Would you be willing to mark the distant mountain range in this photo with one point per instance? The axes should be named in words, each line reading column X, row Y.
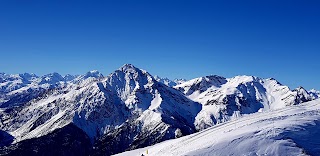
column 92, row 114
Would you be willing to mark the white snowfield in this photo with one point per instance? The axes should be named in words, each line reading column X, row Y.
column 293, row 130
column 132, row 100
column 225, row 98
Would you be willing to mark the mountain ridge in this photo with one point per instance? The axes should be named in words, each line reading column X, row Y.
column 131, row 105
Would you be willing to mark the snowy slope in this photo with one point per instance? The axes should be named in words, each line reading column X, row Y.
column 293, row 130
column 224, row 99
column 169, row 82
column 129, row 108
column 21, row 88
column 127, row 100
column 93, row 74
column 10, row 82
column 315, row 93
column 17, row 89
column 33, row 108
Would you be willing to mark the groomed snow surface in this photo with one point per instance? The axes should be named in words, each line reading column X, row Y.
column 293, row 130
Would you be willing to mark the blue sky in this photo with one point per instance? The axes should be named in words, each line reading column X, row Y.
column 174, row 39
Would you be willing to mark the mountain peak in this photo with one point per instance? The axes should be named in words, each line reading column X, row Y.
column 211, row 77
column 93, row 73
column 51, row 78
column 314, row 91
column 52, row 75
column 69, row 77
column 28, row 76
column 128, row 67
column 165, row 81
column 299, row 88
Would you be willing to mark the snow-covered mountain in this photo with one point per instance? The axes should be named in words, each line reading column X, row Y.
column 293, row 130
column 69, row 77
column 91, row 74
column 127, row 109
column 315, row 94
column 169, row 82
column 11, row 82
column 128, row 101
column 226, row 98
column 18, row 86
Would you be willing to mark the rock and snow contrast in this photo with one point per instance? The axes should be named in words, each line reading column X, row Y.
column 294, row 130
column 92, row 114
column 314, row 93
column 169, row 82
column 225, row 98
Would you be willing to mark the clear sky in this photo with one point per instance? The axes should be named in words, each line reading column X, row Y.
column 174, row 39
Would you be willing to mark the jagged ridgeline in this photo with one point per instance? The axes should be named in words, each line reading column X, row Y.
column 92, row 114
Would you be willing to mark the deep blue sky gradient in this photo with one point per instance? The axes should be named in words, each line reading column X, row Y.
column 174, row 39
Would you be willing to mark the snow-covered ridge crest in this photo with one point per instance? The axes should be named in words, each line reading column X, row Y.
column 293, row 130
column 315, row 93
column 99, row 106
column 131, row 102
column 169, row 82
column 201, row 84
column 226, row 98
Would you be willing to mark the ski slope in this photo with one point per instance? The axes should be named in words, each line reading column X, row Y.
column 293, row 130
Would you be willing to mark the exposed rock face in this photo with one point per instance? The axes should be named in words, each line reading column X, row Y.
column 67, row 141
column 128, row 109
